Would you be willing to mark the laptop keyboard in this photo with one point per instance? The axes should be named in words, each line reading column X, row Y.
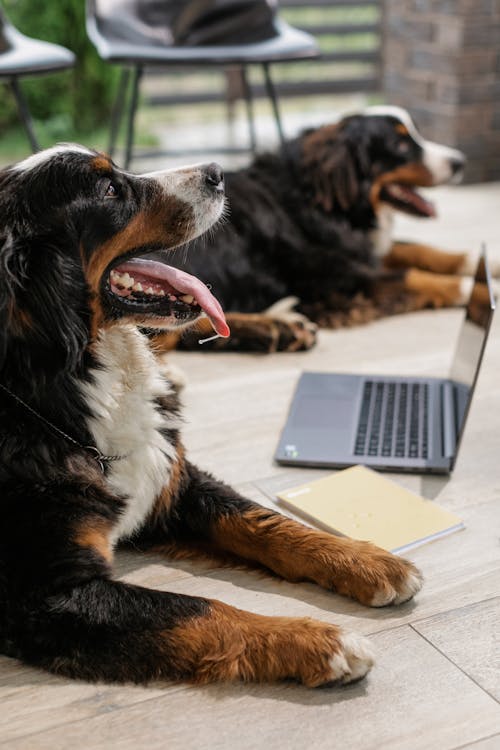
column 393, row 420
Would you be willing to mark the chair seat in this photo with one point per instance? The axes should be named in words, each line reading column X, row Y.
column 21, row 55
column 288, row 44
column 141, row 35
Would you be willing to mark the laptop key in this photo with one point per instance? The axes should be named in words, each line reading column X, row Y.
column 393, row 420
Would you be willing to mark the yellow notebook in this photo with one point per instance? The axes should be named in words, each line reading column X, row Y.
column 360, row 503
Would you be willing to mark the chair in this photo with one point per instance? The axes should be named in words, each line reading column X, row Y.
column 123, row 32
column 21, row 56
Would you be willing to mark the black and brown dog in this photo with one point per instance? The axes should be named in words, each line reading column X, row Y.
column 312, row 225
column 91, row 455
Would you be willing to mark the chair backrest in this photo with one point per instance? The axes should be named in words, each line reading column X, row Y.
column 131, row 21
column 4, row 40
column 184, row 22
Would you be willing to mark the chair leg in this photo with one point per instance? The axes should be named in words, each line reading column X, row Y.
column 136, row 79
column 233, row 90
column 249, row 106
column 24, row 114
column 117, row 111
column 271, row 92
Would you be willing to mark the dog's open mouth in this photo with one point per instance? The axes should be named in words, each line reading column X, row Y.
column 405, row 198
column 154, row 289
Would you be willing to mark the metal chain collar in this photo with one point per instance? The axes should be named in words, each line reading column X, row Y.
column 95, row 453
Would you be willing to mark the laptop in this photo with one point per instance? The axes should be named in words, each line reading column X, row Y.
column 401, row 424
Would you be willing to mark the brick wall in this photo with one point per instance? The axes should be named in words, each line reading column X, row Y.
column 441, row 61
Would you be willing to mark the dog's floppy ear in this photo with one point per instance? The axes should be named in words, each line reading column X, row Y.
column 330, row 166
column 12, row 277
column 40, row 311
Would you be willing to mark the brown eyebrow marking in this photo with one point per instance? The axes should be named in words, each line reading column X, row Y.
column 101, row 163
column 401, row 129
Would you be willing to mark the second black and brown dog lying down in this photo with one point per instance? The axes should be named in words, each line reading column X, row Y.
column 313, row 225
column 91, row 454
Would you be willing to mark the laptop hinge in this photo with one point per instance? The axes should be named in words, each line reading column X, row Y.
column 449, row 422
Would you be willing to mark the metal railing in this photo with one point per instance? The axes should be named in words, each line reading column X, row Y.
column 349, row 36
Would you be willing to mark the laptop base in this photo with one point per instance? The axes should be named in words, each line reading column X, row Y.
column 323, row 426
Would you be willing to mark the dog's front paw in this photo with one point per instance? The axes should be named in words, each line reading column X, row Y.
column 399, row 588
column 378, row 578
column 258, row 648
column 295, row 335
column 353, row 660
column 294, row 331
column 324, row 654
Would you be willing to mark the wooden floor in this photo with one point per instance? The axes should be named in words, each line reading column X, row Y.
column 436, row 683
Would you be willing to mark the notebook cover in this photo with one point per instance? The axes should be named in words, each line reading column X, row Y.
column 362, row 504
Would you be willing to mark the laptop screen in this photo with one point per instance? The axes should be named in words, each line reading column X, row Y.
column 473, row 334
column 475, row 326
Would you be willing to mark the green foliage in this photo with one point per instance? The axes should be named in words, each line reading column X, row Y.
column 70, row 103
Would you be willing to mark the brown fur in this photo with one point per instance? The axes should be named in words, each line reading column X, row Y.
column 145, row 228
column 322, row 160
column 433, row 289
column 414, row 254
column 261, row 332
column 82, row 621
column 230, row 644
column 310, row 223
column 102, row 163
column 409, row 174
column 93, row 534
column 172, row 489
column 298, row 553
column 20, row 319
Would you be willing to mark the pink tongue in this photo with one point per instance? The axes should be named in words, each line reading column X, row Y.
column 182, row 282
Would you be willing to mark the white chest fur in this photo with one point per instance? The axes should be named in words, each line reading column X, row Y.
column 381, row 237
column 126, row 422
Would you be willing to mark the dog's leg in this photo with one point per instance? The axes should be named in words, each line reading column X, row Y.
column 412, row 289
column 79, row 622
column 440, row 290
column 66, row 613
column 108, row 630
column 427, row 258
column 266, row 332
column 213, row 518
column 402, row 291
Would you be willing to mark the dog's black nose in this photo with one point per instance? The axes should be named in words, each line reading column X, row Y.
column 457, row 163
column 214, row 177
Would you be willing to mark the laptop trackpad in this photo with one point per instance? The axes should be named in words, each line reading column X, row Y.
column 324, row 412
column 323, row 417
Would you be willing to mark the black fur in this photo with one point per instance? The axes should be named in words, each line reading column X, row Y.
column 60, row 608
column 300, row 221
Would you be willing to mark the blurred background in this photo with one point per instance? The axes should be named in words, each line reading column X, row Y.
column 438, row 58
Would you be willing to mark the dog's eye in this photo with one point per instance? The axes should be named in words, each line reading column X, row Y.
column 111, row 191
column 403, row 147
